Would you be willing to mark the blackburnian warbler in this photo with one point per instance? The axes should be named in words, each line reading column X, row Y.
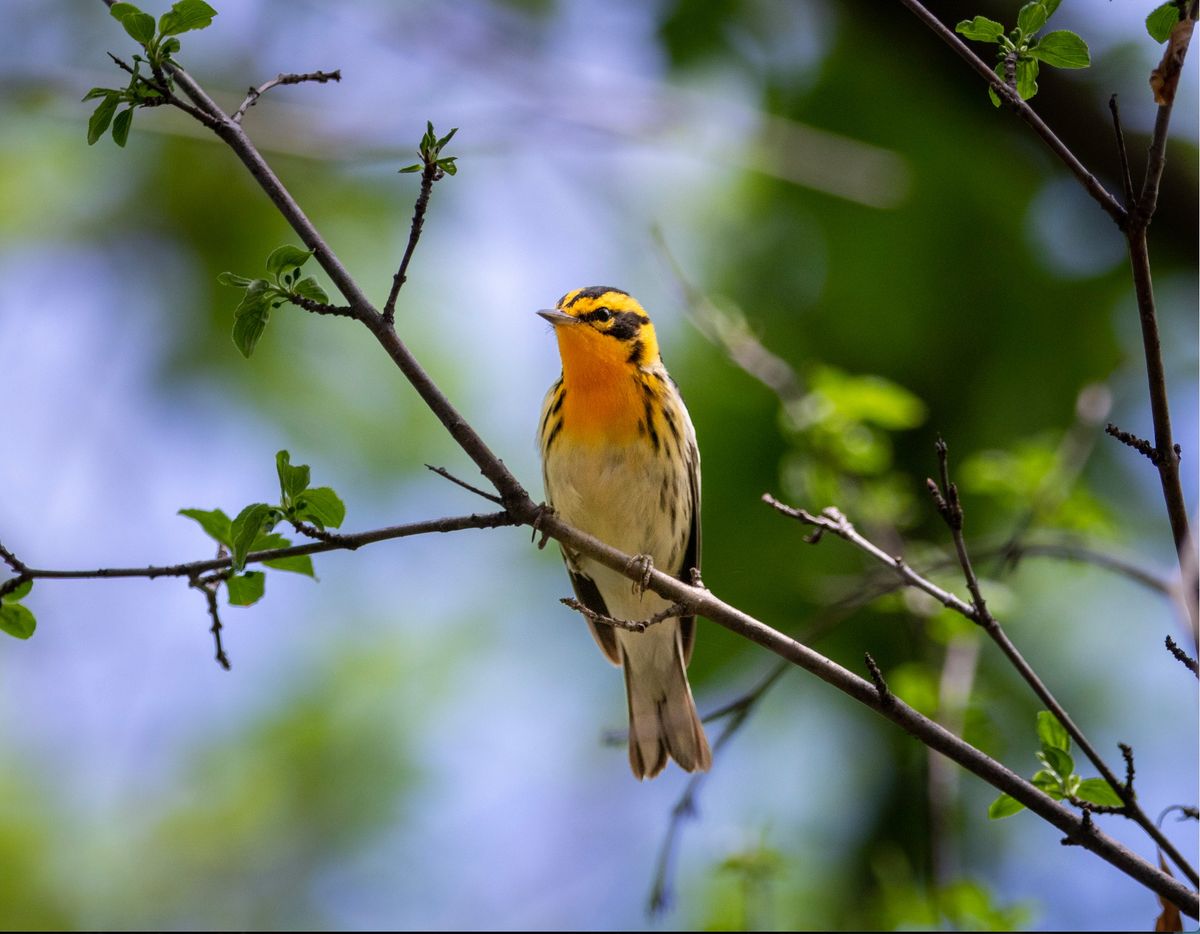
column 619, row 460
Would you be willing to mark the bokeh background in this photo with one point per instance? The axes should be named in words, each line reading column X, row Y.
column 416, row 740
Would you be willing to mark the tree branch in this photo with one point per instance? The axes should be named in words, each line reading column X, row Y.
column 429, row 174
column 1099, row 193
column 192, row 569
column 254, row 94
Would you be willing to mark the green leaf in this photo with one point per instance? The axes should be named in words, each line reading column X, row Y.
column 285, row 257
column 292, row 480
column 139, row 25
column 447, row 165
column 246, row 589
column 1098, row 791
column 308, row 288
column 297, row 564
column 871, row 399
column 1051, row 6
column 184, row 16
column 1062, row 49
column 1027, row 72
column 102, row 117
column 250, row 523
column 1031, row 18
column 17, row 620
column 1052, row 734
column 229, row 278
column 1161, row 21
column 1004, row 806
column 214, row 522
column 981, row 29
column 170, row 46
column 119, row 11
column 121, row 126
column 247, row 330
column 1048, row 782
column 1061, row 762
column 415, row 167
column 445, row 139
column 98, row 92
column 252, row 314
column 320, row 506
column 19, row 594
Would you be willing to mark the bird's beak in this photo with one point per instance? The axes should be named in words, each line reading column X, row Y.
column 556, row 317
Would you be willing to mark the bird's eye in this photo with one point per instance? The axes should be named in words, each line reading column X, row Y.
column 601, row 314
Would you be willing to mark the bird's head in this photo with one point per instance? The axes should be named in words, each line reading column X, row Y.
column 602, row 326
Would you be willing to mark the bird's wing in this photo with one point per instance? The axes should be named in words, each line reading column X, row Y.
column 588, row 594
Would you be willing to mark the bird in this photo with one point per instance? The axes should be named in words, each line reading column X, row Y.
column 620, row 462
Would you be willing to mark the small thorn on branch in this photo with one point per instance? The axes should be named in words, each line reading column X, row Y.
column 1085, row 830
column 886, row 697
column 1141, row 445
column 1186, row 660
column 1127, row 754
column 945, row 498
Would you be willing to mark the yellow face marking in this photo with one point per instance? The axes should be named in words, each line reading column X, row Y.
column 603, row 352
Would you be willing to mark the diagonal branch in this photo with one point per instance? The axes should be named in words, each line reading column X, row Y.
column 1099, row 193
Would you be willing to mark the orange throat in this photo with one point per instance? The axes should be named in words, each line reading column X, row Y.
column 604, row 401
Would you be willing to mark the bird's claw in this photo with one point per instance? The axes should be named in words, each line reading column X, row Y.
column 644, row 564
column 545, row 509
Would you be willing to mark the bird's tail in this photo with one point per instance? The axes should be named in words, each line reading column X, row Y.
column 662, row 715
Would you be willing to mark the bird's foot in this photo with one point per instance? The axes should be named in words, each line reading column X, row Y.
column 544, row 510
column 644, row 565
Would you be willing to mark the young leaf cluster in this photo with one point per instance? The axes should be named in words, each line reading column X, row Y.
column 262, row 296
column 253, row 529
column 430, row 151
column 1057, row 776
column 15, row 619
column 1022, row 51
column 160, row 42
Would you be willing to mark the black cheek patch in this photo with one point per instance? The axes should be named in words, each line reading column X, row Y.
column 626, row 325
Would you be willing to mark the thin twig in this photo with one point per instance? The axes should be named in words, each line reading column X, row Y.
column 1122, row 152
column 254, row 94
column 1141, row 445
column 429, row 174
column 632, row 625
column 210, row 595
column 321, row 308
column 443, row 472
column 1183, row 657
column 344, row 542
